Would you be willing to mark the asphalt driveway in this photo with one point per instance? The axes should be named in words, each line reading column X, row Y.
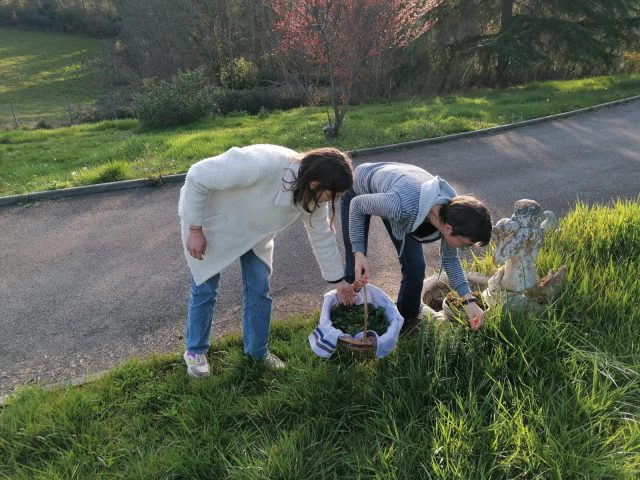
column 89, row 281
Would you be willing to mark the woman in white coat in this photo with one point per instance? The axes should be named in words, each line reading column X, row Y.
column 231, row 207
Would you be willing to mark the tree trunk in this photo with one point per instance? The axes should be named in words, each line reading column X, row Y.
column 446, row 72
column 340, row 112
column 334, row 103
column 503, row 57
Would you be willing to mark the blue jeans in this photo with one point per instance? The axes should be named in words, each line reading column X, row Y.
column 256, row 311
column 412, row 262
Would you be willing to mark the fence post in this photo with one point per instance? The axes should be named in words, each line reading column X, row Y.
column 15, row 117
column 70, row 113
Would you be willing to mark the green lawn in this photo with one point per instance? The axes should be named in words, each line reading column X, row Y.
column 41, row 73
column 529, row 398
column 32, row 160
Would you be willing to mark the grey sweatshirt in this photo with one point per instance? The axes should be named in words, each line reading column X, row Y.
column 403, row 195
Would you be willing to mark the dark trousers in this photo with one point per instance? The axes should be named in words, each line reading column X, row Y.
column 410, row 256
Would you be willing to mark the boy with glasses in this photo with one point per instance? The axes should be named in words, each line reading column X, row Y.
column 415, row 207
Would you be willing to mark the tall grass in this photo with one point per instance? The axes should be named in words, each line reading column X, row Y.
column 525, row 398
column 604, row 261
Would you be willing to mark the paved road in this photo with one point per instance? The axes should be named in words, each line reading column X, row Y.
column 88, row 281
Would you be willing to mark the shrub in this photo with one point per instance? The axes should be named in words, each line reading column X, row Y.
column 108, row 107
column 269, row 71
column 257, row 99
column 96, row 19
column 184, row 98
column 630, row 62
column 43, row 124
column 113, row 171
column 239, row 74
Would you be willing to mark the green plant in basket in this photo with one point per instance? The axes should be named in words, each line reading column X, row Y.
column 350, row 318
column 453, row 308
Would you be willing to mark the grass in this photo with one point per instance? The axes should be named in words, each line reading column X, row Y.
column 41, row 73
column 524, row 398
column 33, row 160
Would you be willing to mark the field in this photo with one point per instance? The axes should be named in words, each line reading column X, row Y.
column 33, row 160
column 45, row 74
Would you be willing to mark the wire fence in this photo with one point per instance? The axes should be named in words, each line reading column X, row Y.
column 43, row 115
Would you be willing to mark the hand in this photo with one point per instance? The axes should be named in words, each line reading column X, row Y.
column 362, row 269
column 346, row 293
column 475, row 315
column 196, row 244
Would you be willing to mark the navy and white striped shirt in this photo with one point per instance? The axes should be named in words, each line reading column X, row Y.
column 403, row 195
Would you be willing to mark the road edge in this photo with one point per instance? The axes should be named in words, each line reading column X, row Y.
column 179, row 178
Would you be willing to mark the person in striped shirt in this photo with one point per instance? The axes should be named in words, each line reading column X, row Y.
column 415, row 207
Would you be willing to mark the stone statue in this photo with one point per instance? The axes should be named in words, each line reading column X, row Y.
column 516, row 285
column 518, row 240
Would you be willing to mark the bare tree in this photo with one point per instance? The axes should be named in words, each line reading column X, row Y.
column 341, row 36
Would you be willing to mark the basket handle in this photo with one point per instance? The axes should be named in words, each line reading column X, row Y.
column 366, row 310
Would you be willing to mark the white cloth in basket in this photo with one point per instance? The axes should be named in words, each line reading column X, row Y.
column 324, row 338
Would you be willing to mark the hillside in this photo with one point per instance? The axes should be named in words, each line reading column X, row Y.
column 42, row 73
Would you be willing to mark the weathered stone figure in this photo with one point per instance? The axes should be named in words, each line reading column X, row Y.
column 518, row 240
column 516, row 285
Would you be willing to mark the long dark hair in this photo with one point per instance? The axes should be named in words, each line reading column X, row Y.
column 331, row 168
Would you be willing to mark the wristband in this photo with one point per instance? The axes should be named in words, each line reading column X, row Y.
column 469, row 300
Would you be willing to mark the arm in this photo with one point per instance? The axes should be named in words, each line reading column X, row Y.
column 232, row 169
column 325, row 248
column 385, row 205
column 451, row 264
column 323, row 243
column 346, row 292
column 458, row 281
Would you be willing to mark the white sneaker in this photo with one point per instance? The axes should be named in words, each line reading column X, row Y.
column 273, row 362
column 197, row 365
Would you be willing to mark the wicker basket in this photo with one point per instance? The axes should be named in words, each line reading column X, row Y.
column 357, row 344
column 366, row 342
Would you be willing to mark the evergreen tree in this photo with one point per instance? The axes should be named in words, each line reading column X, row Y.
column 510, row 38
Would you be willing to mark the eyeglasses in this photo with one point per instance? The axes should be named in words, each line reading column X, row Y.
column 465, row 245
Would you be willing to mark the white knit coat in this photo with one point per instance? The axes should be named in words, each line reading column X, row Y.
column 241, row 201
